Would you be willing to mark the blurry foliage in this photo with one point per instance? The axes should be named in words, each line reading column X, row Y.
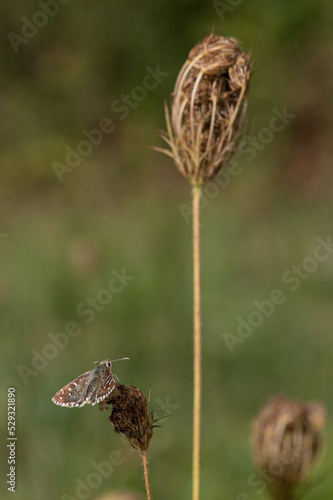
column 119, row 208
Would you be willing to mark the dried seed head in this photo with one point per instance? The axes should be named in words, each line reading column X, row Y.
column 287, row 440
column 208, row 109
column 131, row 416
column 120, row 495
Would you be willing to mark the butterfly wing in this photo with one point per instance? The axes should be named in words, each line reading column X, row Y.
column 74, row 394
column 101, row 386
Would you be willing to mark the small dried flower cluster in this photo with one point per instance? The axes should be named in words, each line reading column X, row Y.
column 287, row 440
column 120, row 495
column 131, row 416
column 208, row 109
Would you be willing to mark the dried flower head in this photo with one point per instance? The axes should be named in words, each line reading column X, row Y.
column 121, row 495
column 131, row 416
column 287, row 440
column 208, row 109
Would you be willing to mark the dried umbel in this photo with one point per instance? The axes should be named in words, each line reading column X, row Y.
column 287, row 440
column 131, row 416
column 208, row 109
column 120, row 495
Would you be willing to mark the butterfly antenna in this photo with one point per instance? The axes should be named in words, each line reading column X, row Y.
column 112, row 360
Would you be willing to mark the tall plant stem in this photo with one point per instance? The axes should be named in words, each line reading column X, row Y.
column 146, row 473
column 197, row 344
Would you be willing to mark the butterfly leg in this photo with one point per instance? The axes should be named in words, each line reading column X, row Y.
column 103, row 405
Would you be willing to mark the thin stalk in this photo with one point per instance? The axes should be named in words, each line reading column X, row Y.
column 197, row 344
column 146, row 473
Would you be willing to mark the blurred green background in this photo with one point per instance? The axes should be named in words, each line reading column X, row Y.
column 121, row 208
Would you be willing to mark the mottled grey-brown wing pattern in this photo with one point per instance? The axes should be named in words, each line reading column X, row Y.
column 91, row 387
column 73, row 394
column 101, row 388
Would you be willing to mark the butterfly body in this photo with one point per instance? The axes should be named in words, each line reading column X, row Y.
column 91, row 387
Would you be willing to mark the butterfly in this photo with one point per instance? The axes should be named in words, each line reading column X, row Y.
column 91, row 387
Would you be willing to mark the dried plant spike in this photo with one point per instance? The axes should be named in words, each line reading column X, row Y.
column 287, row 443
column 203, row 134
column 208, row 109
